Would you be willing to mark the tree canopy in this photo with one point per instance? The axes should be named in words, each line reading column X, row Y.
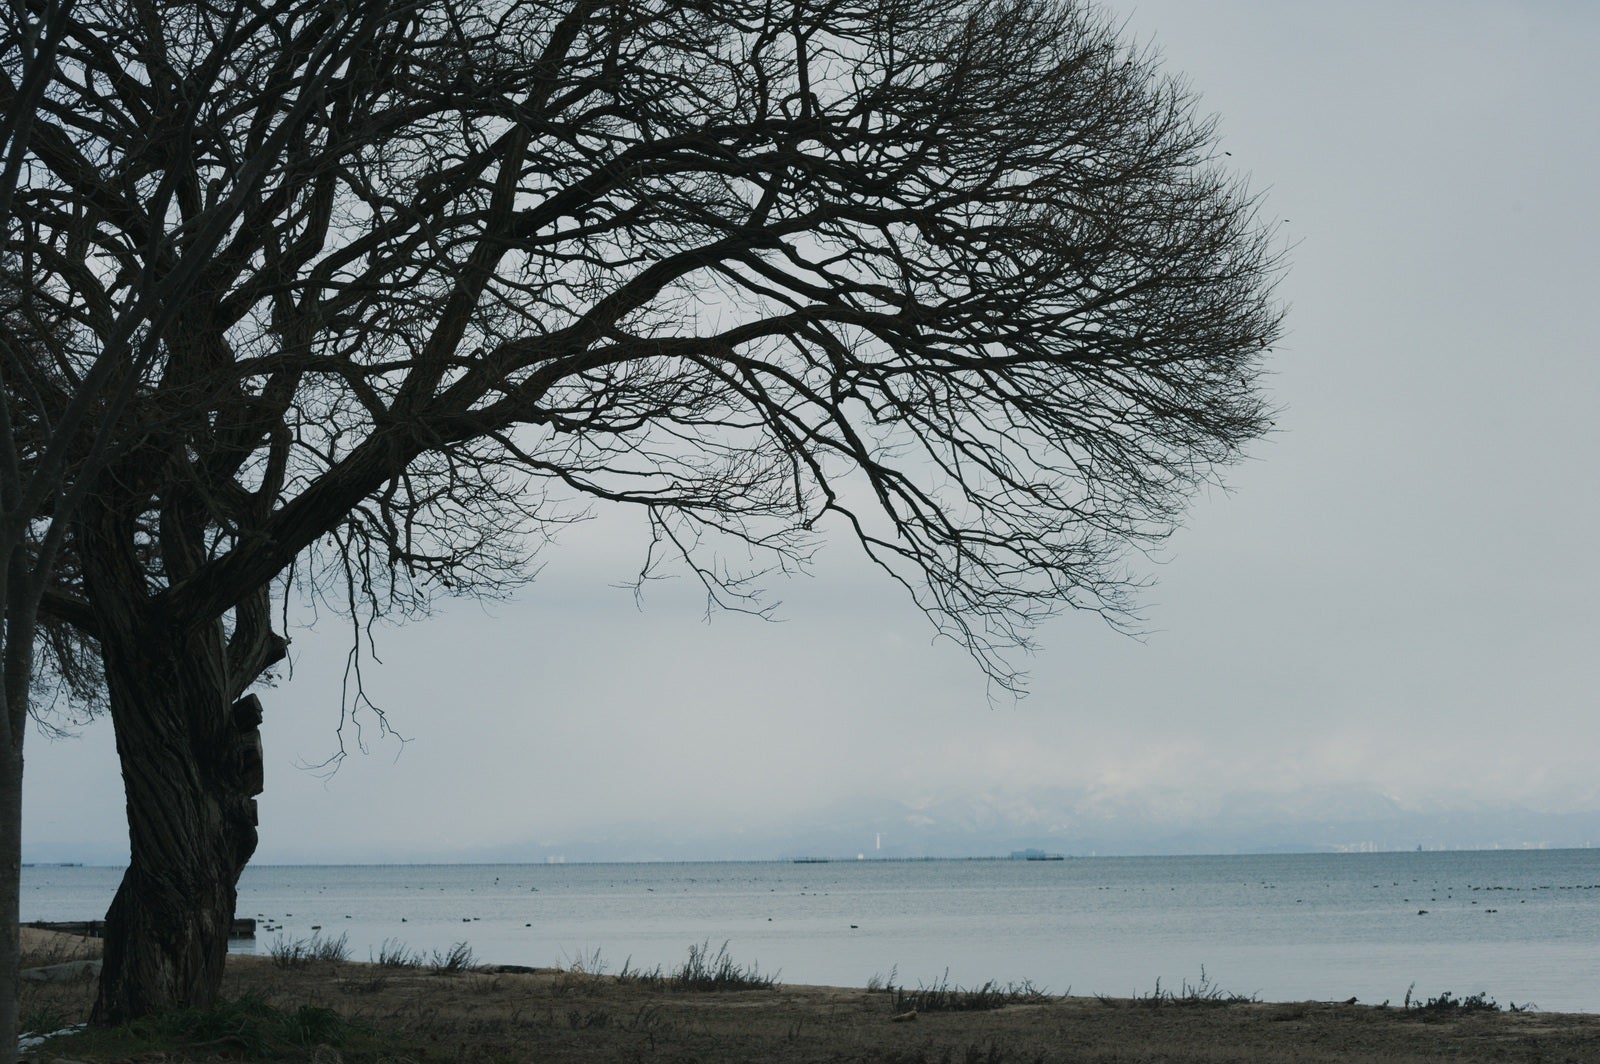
column 389, row 292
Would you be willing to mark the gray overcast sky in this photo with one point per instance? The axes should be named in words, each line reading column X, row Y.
column 1396, row 600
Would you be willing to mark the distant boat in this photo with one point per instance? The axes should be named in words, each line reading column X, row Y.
column 1045, row 857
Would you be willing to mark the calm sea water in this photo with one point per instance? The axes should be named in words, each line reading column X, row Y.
column 1521, row 926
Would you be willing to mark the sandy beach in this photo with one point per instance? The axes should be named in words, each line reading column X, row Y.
column 412, row 1012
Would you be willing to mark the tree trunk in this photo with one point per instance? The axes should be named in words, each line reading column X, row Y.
column 16, row 676
column 10, row 871
column 191, row 762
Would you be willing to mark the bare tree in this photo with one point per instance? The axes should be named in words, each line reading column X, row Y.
column 960, row 279
column 32, row 492
column 67, row 387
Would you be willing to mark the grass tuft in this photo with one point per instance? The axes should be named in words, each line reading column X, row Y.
column 392, row 953
column 649, row 978
column 583, row 974
column 702, row 971
column 945, row 996
column 458, row 959
column 1203, row 993
column 303, row 952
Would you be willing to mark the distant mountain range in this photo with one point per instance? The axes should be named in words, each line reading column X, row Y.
column 1074, row 822
column 1080, row 823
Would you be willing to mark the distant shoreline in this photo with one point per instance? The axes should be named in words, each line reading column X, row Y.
column 854, row 860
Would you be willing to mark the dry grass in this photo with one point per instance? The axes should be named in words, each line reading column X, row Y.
column 40, row 948
column 400, row 1014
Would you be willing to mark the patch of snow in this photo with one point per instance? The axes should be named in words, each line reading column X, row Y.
column 29, row 1040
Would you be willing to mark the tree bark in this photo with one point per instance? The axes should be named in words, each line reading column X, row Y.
column 16, row 664
column 191, row 764
column 10, row 892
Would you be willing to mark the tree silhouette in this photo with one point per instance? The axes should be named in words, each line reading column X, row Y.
column 414, row 284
